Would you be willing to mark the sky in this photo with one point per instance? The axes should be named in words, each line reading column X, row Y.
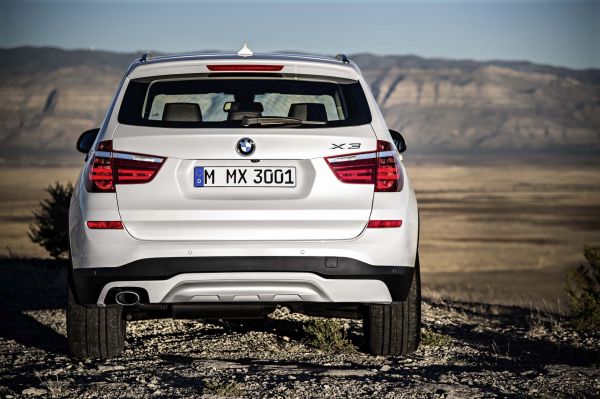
column 557, row 32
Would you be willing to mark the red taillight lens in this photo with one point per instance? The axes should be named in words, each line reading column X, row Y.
column 389, row 172
column 244, row 68
column 134, row 169
column 108, row 168
column 356, row 168
column 100, row 174
column 113, row 225
column 378, row 224
column 381, row 168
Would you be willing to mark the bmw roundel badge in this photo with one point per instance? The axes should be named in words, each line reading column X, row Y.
column 245, row 146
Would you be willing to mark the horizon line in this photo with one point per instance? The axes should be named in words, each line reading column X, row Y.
column 157, row 52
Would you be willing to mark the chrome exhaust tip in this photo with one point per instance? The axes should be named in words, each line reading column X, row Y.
column 127, row 298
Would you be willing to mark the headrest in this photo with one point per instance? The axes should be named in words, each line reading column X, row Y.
column 242, row 106
column 182, row 112
column 314, row 112
column 237, row 110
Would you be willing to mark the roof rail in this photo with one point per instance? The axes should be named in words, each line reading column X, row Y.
column 343, row 58
column 145, row 57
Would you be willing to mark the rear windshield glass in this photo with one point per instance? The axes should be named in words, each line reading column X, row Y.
column 224, row 102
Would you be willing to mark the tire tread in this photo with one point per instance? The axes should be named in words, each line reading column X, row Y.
column 394, row 329
column 92, row 332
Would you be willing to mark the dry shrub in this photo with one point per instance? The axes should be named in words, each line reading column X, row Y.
column 50, row 226
column 583, row 289
column 328, row 335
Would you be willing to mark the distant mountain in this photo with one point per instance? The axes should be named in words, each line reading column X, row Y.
column 51, row 95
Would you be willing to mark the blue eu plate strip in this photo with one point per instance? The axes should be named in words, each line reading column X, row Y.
column 199, row 176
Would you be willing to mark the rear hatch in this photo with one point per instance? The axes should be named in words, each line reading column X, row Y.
column 310, row 204
column 228, row 176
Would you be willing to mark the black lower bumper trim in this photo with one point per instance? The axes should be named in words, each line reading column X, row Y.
column 88, row 282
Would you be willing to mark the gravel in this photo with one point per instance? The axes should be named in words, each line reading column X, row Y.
column 492, row 351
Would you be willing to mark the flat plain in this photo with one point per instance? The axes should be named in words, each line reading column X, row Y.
column 494, row 233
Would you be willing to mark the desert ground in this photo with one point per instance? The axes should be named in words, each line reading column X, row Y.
column 468, row 350
column 496, row 241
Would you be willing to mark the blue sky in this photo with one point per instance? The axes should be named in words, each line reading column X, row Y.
column 565, row 33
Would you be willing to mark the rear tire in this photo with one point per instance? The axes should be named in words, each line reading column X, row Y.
column 395, row 329
column 94, row 332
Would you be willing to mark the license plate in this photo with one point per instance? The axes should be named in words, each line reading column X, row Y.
column 262, row 176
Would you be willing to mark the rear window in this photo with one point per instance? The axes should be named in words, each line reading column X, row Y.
column 224, row 102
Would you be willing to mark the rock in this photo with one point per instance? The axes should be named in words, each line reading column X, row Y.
column 32, row 391
column 286, row 338
column 385, row 368
column 107, row 367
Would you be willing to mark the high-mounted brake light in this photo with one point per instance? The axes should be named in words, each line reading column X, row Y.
column 381, row 168
column 108, row 168
column 244, row 68
column 105, row 225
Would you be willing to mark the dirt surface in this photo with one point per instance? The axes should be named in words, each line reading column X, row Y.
column 470, row 350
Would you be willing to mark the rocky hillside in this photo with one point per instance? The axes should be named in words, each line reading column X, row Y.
column 444, row 105
column 51, row 95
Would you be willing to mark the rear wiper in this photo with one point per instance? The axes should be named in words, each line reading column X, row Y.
column 276, row 121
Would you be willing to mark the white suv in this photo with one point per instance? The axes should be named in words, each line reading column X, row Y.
column 223, row 185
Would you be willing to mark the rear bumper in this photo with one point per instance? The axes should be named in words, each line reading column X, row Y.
column 247, row 279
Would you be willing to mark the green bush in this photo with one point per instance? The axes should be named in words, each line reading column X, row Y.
column 222, row 389
column 431, row 338
column 328, row 335
column 583, row 289
column 50, row 225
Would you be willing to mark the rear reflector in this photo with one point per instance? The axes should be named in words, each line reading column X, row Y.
column 108, row 167
column 248, row 67
column 378, row 224
column 381, row 168
column 114, row 225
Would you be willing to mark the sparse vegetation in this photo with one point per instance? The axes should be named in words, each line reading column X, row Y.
column 224, row 389
column 50, row 227
column 328, row 335
column 54, row 387
column 583, row 288
column 431, row 338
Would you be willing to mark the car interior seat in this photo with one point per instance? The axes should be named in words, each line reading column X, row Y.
column 182, row 112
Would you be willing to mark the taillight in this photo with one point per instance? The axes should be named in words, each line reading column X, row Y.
column 356, row 168
column 381, row 168
column 108, row 168
column 389, row 172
